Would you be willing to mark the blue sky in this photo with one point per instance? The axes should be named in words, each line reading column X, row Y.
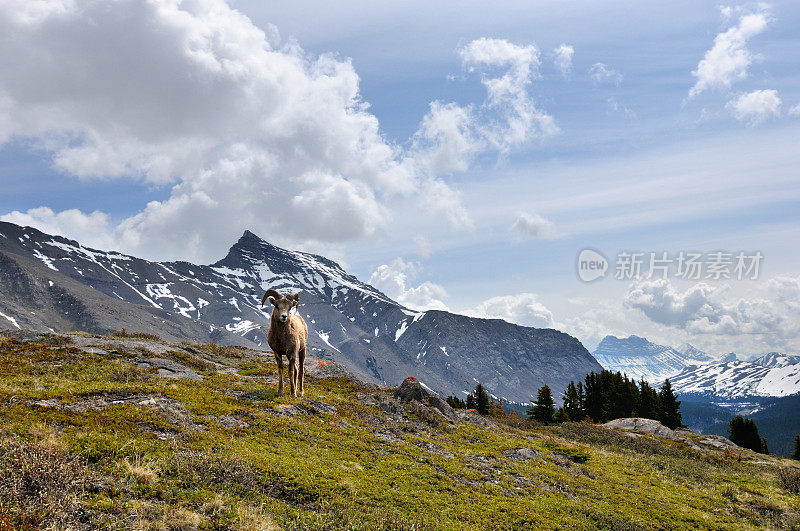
column 483, row 212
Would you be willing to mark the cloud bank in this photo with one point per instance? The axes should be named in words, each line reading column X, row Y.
column 521, row 308
column 774, row 312
column 246, row 130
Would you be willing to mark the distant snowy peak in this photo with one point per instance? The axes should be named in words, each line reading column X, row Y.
column 771, row 375
column 776, row 359
column 640, row 358
column 692, row 353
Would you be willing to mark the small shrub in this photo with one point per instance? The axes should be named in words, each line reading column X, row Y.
column 251, row 519
column 141, row 471
column 190, row 361
column 134, row 335
column 789, row 479
column 39, row 485
column 129, row 373
column 573, row 454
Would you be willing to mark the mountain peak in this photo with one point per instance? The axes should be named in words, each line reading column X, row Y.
column 249, row 248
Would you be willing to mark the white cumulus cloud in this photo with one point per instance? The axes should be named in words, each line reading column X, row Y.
column 729, row 58
column 534, row 226
column 248, row 131
column 394, row 278
column 522, row 309
column 562, row 59
column 600, row 73
column 772, row 313
column 756, row 106
column 93, row 229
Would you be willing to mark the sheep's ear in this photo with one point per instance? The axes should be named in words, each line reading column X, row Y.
column 296, row 299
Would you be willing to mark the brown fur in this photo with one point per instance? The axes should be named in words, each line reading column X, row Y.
column 287, row 338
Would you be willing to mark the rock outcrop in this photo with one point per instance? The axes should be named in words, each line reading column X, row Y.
column 411, row 390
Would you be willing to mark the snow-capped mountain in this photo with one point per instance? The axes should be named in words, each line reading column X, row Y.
column 50, row 282
column 776, row 360
column 771, row 375
column 639, row 358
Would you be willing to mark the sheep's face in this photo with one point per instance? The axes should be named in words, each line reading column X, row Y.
column 282, row 307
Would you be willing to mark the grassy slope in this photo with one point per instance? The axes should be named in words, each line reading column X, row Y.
column 176, row 465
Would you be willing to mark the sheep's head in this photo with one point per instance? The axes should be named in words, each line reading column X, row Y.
column 281, row 305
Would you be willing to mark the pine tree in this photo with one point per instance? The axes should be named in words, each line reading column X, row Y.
column 470, row 401
column 561, row 415
column 455, row 402
column 744, row 432
column 593, row 399
column 481, row 400
column 572, row 405
column 796, row 453
column 544, row 408
column 764, row 447
column 647, row 404
column 670, row 408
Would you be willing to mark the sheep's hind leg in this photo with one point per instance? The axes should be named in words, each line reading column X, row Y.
column 279, row 361
column 301, row 377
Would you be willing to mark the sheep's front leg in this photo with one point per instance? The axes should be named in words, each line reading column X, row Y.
column 279, row 361
column 293, row 374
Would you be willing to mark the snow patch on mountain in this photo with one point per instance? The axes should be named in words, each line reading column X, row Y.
column 11, row 319
column 639, row 358
column 772, row 375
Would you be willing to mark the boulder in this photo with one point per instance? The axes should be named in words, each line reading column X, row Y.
column 411, row 390
column 168, row 368
column 653, row 427
column 719, row 442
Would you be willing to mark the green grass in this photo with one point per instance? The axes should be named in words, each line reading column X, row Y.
column 178, row 467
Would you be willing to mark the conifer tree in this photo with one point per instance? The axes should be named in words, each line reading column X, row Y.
column 561, row 415
column 496, row 409
column 572, row 402
column 470, row 401
column 669, row 407
column 744, row 432
column 481, row 400
column 796, row 453
column 455, row 402
column 647, row 404
column 544, row 409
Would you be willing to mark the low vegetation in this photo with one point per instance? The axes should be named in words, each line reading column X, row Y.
column 123, row 333
column 90, row 440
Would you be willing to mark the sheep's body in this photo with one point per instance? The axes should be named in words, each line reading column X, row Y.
column 287, row 336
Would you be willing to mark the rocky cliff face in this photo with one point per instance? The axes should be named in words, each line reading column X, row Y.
column 49, row 282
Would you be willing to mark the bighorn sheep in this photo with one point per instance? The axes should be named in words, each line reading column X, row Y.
column 287, row 336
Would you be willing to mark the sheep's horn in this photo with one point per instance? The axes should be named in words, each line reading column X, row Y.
column 270, row 292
